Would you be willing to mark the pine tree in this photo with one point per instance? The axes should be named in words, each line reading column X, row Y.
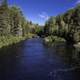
column 4, row 18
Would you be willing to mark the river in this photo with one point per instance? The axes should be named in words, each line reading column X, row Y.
column 31, row 60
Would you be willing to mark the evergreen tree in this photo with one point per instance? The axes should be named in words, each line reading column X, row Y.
column 4, row 19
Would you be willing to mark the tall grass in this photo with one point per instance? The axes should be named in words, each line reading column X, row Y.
column 9, row 40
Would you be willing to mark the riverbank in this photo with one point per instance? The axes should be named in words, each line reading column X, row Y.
column 52, row 40
column 10, row 40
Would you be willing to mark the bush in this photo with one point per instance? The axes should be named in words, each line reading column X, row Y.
column 51, row 40
column 9, row 40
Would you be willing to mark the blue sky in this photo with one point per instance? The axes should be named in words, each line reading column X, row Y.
column 38, row 11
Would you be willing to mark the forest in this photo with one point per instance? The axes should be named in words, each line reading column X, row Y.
column 14, row 27
column 66, row 25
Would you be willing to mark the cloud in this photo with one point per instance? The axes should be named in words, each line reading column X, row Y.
column 78, row 1
column 43, row 15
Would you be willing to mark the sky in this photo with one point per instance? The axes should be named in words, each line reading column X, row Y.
column 38, row 11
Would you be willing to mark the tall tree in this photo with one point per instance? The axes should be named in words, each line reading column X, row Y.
column 4, row 18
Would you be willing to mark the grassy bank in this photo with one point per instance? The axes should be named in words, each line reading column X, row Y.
column 9, row 40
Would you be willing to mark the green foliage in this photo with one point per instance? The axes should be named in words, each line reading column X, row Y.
column 13, row 26
column 12, row 21
column 4, row 20
column 9, row 40
column 50, row 27
column 38, row 30
column 51, row 40
column 66, row 25
column 15, row 21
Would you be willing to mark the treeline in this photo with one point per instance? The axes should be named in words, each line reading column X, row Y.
column 66, row 25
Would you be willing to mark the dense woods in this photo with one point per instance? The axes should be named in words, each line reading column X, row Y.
column 13, row 25
column 12, row 20
column 66, row 25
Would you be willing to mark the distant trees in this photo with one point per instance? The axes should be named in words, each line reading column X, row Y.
column 66, row 25
column 39, row 30
column 50, row 27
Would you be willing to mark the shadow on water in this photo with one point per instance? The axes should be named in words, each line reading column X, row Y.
column 31, row 60
column 9, row 60
column 69, row 54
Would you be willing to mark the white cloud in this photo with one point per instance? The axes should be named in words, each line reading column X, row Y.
column 43, row 15
column 78, row 1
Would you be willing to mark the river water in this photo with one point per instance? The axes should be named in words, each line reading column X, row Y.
column 31, row 60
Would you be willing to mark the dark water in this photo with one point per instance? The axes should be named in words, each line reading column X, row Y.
column 31, row 60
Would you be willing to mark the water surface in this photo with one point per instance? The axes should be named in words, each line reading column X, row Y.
column 31, row 60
